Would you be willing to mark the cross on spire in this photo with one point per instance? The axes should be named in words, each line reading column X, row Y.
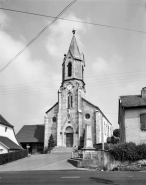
column 73, row 31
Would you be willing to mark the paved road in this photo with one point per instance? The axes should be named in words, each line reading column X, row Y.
column 72, row 178
column 40, row 162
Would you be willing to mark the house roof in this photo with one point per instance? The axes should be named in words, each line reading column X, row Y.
column 9, row 143
column 51, row 108
column 31, row 133
column 133, row 101
column 5, row 122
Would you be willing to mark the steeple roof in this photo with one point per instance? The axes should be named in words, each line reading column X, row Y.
column 74, row 47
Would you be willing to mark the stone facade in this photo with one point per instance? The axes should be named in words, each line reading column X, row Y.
column 66, row 120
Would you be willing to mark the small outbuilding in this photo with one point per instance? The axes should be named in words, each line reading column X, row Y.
column 32, row 137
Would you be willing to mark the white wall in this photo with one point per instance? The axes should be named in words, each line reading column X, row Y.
column 107, row 129
column 3, row 150
column 132, row 126
column 9, row 133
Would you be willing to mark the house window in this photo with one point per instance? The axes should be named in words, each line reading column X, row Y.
column 143, row 121
column 5, row 129
column 69, row 69
column 70, row 100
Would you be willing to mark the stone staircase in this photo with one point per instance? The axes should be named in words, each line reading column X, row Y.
column 61, row 149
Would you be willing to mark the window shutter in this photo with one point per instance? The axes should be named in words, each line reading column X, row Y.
column 143, row 121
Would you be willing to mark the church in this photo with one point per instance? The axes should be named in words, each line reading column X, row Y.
column 67, row 118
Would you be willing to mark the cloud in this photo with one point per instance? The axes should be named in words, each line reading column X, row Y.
column 60, row 35
column 100, row 66
column 21, row 70
column 3, row 20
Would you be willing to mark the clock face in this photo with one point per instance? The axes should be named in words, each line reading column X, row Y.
column 69, row 87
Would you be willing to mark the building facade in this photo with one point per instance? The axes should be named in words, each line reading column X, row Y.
column 66, row 120
column 31, row 137
column 132, row 118
column 8, row 140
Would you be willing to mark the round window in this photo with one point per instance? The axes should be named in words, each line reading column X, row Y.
column 54, row 119
column 87, row 116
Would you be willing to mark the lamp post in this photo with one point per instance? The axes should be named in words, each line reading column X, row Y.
column 27, row 146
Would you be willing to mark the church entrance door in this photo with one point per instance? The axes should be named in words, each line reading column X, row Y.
column 69, row 137
column 69, row 140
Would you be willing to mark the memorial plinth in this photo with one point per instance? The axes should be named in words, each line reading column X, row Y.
column 88, row 142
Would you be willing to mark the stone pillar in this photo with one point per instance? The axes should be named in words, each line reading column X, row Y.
column 98, row 126
column 59, row 142
column 46, row 132
column 79, row 117
column 102, row 132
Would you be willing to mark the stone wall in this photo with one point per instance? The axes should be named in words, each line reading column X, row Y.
column 87, row 108
column 102, row 160
column 50, row 125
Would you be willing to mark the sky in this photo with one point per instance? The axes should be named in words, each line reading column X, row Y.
column 115, row 59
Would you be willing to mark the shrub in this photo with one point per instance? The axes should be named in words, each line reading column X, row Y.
column 13, row 156
column 141, row 151
column 116, row 132
column 124, row 151
column 51, row 142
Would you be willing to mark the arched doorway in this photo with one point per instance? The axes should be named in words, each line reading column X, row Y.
column 69, row 137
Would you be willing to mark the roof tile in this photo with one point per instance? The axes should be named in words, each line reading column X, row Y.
column 31, row 133
column 9, row 143
column 133, row 101
column 5, row 122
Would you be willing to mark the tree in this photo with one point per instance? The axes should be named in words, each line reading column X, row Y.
column 51, row 142
column 116, row 132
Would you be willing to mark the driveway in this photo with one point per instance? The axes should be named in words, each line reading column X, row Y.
column 40, row 162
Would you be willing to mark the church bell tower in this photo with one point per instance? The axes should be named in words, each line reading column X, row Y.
column 71, row 91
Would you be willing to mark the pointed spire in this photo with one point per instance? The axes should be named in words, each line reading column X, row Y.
column 74, row 47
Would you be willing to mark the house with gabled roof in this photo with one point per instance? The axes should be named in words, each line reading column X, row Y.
column 132, row 118
column 32, row 136
column 8, row 140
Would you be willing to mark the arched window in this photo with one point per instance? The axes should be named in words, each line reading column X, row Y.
column 69, row 69
column 70, row 100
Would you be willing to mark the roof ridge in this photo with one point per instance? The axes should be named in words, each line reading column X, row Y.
column 131, row 95
column 6, row 122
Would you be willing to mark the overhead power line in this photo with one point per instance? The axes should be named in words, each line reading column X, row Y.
column 38, row 35
column 84, row 22
column 52, row 90
column 90, row 79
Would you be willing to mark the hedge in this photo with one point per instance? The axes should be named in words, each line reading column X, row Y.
column 13, row 156
column 128, row 151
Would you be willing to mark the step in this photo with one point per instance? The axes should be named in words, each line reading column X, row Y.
column 62, row 150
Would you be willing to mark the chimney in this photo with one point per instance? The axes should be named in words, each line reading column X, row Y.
column 143, row 92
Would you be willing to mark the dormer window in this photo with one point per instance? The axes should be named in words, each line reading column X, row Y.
column 69, row 69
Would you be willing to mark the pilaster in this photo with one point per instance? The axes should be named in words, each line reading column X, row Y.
column 46, row 132
column 59, row 120
column 98, row 117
